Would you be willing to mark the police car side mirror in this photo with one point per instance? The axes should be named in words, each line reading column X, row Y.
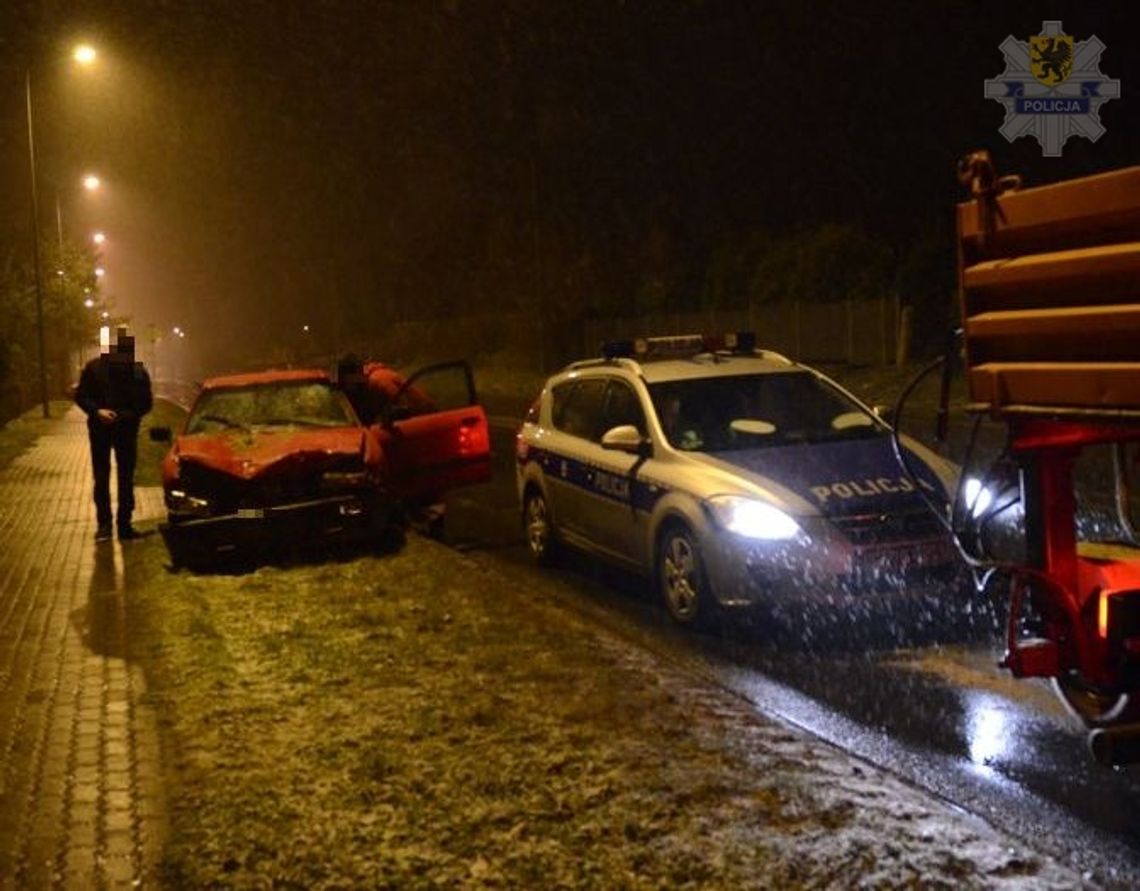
column 160, row 434
column 625, row 438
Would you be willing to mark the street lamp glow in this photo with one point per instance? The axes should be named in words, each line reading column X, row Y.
column 100, row 272
column 176, row 330
column 89, row 303
column 98, row 238
column 305, row 328
column 84, row 55
column 91, row 182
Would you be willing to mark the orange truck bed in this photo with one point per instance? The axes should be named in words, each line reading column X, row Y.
column 1049, row 290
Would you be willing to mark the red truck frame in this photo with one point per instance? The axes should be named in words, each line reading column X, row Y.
column 1049, row 291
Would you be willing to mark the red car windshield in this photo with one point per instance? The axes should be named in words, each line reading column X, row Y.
column 286, row 403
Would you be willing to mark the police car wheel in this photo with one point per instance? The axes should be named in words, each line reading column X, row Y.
column 538, row 528
column 681, row 577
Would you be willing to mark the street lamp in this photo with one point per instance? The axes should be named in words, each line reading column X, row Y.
column 91, row 183
column 84, row 55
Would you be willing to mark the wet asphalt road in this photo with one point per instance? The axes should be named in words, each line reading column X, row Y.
column 909, row 691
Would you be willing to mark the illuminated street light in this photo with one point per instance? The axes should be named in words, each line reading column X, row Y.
column 84, row 55
column 89, row 303
column 98, row 237
column 100, row 272
column 90, row 183
column 305, row 328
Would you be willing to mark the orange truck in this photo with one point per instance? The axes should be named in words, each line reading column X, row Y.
column 1049, row 291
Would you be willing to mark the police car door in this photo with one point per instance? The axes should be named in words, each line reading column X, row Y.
column 614, row 476
column 575, row 416
column 591, row 485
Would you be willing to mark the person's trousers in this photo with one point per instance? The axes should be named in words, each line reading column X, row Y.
column 122, row 439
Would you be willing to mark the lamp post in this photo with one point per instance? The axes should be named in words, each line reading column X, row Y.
column 36, row 248
column 84, row 55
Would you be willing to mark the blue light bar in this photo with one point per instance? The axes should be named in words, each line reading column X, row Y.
column 679, row 345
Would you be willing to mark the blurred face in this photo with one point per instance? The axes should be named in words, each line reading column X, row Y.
column 124, row 350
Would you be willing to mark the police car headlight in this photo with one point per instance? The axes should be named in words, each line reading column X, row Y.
column 977, row 497
column 752, row 518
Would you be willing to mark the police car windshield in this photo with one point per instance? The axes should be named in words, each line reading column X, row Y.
column 292, row 403
column 717, row 414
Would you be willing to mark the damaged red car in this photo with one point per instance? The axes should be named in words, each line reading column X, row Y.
column 277, row 459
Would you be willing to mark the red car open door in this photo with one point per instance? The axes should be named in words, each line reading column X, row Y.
column 435, row 433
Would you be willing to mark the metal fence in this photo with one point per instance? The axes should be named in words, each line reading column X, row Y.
column 864, row 332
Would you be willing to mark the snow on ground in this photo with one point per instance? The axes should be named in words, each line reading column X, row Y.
column 412, row 719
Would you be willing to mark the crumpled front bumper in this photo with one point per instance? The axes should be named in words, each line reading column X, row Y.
column 336, row 518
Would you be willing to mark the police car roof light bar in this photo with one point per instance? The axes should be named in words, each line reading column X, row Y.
column 679, row 345
column 739, row 341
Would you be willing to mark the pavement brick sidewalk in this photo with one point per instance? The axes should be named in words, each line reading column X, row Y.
column 81, row 802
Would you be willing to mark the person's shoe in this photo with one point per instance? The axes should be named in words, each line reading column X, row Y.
column 103, row 533
column 127, row 532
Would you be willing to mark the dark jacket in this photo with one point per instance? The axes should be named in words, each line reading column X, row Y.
column 121, row 386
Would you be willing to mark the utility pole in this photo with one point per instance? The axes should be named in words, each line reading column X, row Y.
column 36, row 247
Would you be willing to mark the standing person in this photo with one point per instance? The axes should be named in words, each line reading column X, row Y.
column 114, row 392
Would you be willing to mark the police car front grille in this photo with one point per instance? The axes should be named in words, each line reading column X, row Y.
column 878, row 529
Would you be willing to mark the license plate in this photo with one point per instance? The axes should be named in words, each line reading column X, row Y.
column 250, row 513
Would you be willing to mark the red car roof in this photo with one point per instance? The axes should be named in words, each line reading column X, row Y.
column 271, row 376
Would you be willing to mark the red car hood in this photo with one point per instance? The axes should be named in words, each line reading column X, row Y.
column 251, row 454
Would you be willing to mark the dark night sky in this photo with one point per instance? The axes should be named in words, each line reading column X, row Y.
column 269, row 163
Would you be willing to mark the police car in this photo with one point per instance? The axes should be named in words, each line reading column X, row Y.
column 731, row 475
